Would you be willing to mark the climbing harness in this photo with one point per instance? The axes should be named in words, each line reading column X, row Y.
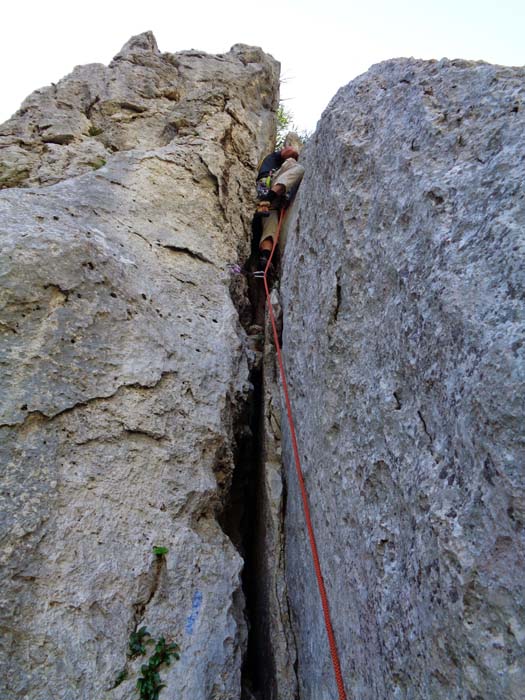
column 304, row 494
column 263, row 185
column 263, row 188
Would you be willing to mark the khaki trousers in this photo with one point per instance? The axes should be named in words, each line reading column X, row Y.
column 289, row 174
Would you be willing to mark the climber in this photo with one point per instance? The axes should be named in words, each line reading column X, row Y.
column 277, row 181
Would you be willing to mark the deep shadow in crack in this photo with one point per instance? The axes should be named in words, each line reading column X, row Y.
column 239, row 521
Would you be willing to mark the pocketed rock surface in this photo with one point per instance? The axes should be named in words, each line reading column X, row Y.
column 403, row 297
column 128, row 189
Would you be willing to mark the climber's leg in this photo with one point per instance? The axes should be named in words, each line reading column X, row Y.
column 269, row 226
column 288, row 176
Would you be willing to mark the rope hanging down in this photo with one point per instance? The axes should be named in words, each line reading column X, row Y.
column 304, row 495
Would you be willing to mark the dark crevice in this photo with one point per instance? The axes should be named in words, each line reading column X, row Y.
column 90, row 107
column 398, row 402
column 187, row 251
column 286, row 601
column 338, row 306
column 134, row 233
column 424, row 424
column 239, row 521
column 243, row 519
column 337, row 300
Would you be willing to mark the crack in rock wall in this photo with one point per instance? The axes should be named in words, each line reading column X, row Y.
column 124, row 367
column 274, row 634
column 403, row 297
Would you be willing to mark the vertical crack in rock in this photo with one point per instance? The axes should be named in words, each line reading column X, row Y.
column 240, row 517
column 276, row 640
column 425, row 428
column 239, row 521
column 150, row 588
column 254, row 521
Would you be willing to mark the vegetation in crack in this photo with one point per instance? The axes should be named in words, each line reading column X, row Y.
column 284, row 124
column 137, row 642
column 94, row 131
column 149, row 684
column 160, row 551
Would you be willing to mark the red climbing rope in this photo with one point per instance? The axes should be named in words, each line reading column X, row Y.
column 304, row 494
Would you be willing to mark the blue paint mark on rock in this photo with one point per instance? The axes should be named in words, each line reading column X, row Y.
column 196, row 604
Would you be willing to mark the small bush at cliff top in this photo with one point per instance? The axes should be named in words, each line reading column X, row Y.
column 284, row 124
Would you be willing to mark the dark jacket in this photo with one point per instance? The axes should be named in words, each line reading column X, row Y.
column 270, row 164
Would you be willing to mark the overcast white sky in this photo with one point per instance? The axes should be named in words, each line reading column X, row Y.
column 321, row 45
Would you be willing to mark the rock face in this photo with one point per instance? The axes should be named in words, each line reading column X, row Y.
column 275, row 642
column 403, row 297
column 124, row 368
column 127, row 382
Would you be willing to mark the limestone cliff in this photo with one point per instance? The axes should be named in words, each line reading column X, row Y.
column 128, row 189
column 133, row 415
column 403, row 297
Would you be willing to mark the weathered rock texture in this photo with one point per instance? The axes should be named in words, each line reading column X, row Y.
column 275, row 642
column 123, row 368
column 404, row 340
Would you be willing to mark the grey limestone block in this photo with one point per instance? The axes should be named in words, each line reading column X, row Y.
column 403, row 298
column 123, row 367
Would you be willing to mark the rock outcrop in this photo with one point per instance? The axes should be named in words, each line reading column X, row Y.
column 403, row 297
column 128, row 189
column 130, row 420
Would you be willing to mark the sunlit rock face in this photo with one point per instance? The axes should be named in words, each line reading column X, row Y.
column 124, row 369
column 403, row 290
column 126, row 191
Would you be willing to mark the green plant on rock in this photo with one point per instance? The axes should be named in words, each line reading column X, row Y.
column 138, row 641
column 285, row 123
column 150, row 683
column 94, row 131
column 160, row 551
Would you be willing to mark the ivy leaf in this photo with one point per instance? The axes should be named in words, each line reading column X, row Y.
column 160, row 551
